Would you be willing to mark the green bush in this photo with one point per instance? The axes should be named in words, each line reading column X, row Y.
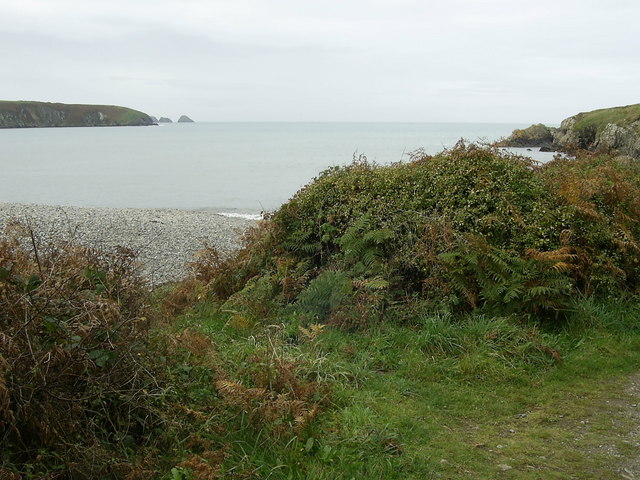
column 469, row 228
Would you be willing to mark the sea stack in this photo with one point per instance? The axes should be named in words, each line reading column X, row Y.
column 185, row 119
column 165, row 120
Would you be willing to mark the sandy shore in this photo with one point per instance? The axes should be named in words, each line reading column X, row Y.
column 165, row 239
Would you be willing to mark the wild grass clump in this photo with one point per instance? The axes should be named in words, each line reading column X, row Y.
column 75, row 384
column 471, row 228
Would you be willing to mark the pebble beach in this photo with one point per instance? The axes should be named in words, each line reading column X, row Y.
column 164, row 239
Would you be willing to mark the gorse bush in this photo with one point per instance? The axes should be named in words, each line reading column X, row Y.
column 469, row 228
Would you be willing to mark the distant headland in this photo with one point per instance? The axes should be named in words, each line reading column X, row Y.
column 27, row 114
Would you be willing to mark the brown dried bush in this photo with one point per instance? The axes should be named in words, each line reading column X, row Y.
column 74, row 380
column 279, row 400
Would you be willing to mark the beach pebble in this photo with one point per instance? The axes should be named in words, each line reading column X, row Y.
column 164, row 239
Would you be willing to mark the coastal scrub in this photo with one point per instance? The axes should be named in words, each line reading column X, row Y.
column 471, row 228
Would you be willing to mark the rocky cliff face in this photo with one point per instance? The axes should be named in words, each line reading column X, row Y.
column 32, row 117
column 624, row 139
column 41, row 114
column 612, row 130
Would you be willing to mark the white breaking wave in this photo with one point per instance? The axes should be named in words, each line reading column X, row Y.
column 248, row 216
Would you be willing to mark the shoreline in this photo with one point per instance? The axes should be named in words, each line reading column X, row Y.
column 165, row 239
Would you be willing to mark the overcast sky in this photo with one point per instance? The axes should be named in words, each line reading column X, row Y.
column 332, row 60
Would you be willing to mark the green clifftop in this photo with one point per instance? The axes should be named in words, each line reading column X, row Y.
column 24, row 114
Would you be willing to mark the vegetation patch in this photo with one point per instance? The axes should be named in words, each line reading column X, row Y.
column 468, row 229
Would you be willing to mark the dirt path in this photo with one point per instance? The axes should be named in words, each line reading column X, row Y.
column 629, row 407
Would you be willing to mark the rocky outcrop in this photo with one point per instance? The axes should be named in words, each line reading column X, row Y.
column 538, row 135
column 625, row 140
column 165, row 120
column 612, row 130
column 185, row 119
column 42, row 114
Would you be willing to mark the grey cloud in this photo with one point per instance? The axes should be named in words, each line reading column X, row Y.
column 401, row 60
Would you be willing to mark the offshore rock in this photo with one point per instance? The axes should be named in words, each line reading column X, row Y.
column 185, row 119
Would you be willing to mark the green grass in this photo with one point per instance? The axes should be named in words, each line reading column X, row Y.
column 128, row 116
column 598, row 119
column 445, row 397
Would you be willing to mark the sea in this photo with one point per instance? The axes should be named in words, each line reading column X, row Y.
column 236, row 169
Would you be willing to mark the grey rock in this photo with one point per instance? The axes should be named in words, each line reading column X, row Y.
column 185, row 119
column 26, row 118
column 614, row 138
column 93, row 118
column 624, row 140
column 165, row 120
column 567, row 136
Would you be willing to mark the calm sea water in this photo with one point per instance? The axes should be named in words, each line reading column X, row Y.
column 226, row 167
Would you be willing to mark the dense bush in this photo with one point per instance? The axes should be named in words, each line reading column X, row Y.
column 469, row 228
column 74, row 379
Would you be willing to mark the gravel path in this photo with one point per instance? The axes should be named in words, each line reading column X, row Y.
column 165, row 239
